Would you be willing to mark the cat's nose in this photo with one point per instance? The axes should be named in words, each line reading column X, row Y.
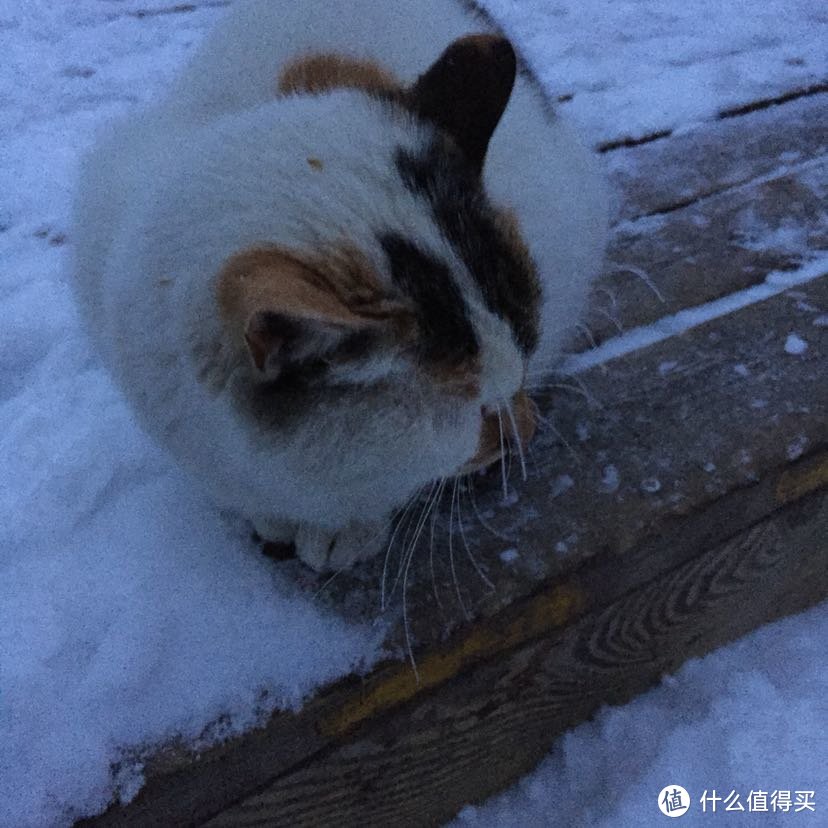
column 499, row 426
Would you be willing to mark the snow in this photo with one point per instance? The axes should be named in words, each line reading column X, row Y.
column 561, row 484
column 651, row 485
column 131, row 612
column 796, row 448
column 795, row 344
column 662, row 64
column 749, row 717
column 610, row 480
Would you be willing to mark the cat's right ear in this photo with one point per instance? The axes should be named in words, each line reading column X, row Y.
column 466, row 90
column 286, row 313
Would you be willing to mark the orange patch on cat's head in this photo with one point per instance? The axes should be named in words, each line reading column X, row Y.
column 314, row 74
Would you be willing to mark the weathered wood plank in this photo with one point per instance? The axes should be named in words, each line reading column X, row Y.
column 713, row 157
column 490, row 725
column 620, row 534
column 715, row 246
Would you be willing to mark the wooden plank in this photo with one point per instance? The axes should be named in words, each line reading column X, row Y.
column 665, row 175
column 494, row 722
column 689, row 206
column 656, row 425
column 708, row 249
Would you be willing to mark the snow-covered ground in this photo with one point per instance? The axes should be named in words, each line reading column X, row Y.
column 131, row 612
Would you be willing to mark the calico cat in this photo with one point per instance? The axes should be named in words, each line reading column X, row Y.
column 321, row 265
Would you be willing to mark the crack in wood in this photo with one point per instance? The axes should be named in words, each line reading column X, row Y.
column 766, row 103
column 735, row 186
column 630, row 141
column 181, row 8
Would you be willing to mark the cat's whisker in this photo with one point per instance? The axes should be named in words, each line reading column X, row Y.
column 611, row 318
column 469, row 553
column 404, row 510
column 406, row 624
column 587, row 332
column 537, row 417
column 518, row 442
column 586, row 392
column 610, row 294
column 430, row 503
column 328, row 582
column 483, row 522
column 503, row 473
column 407, row 549
column 576, row 389
column 406, row 561
column 553, row 428
column 451, row 556
column 434, row 516
column 643, row 275
column 509, row 458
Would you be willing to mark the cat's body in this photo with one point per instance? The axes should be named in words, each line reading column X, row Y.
column 348, row 199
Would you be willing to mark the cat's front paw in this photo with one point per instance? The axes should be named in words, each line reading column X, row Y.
column 327, row 551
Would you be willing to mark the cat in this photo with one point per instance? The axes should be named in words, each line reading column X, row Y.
column 321, row 265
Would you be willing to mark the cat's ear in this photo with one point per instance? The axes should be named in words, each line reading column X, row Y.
column 466, row 90
column 277, row 341
column 286, row 312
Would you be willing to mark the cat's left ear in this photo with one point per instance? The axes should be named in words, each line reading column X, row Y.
column 466, row 90
column 286, row 312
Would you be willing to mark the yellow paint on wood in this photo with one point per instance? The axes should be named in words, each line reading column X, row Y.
column 802, row 479
column 541, row 614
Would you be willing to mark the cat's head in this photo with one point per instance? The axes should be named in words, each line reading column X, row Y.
column 390, row 340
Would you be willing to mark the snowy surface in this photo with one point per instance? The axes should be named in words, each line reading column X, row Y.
column 130, row 610
column 750, row 717
column 653, row 65
column 795, row 344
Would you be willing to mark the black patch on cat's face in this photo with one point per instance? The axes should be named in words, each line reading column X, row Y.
column 506, row 278
column 446, row 331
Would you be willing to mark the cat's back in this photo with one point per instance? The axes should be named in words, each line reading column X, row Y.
column 238, row 63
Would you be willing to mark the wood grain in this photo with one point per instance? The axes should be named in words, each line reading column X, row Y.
column 490, row 725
